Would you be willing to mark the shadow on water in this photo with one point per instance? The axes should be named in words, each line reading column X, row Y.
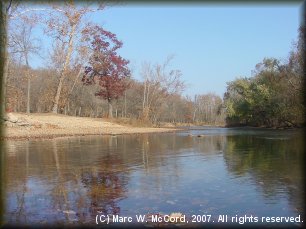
column 225, row 171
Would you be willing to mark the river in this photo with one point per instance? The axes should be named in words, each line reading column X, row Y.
column 227, row 171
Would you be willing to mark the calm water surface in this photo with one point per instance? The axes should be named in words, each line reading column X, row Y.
column 226, row 171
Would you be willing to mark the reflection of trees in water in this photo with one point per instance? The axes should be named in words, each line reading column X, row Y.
column 209, row 144
column 72, row 185
column 81, row 176
column 105, row 185
column 145, row 149
column 59, row 191
column 20, row 214
column 19, row 185
column 78, row 177
column 274, row 164
column 88, row 189
column 160, row 160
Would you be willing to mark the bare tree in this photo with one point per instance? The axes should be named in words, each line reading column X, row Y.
column 64, row 24
column 158, row 85
column 208, row 109
column 10, row 11
column 22, row 43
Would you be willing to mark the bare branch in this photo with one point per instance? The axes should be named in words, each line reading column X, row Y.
column 26, row 11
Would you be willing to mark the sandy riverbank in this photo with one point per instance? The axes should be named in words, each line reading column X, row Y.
column 48, row 125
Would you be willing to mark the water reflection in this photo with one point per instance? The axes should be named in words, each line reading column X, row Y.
column 225, row 171
column 273, row 162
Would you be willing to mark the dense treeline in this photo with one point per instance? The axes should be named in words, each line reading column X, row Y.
column 79, row 100
column 273, row 96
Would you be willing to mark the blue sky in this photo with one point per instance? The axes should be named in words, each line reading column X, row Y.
column 212, row 44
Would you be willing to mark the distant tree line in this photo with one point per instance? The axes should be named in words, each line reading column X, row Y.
column 78, row 99
column 273, row 96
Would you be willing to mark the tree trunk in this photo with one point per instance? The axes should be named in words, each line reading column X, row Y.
column 4, row 57
column 29, row 83
column 110, row 109
column 80, row 111
column 71, row 90
column 28, row 95
column 63, row 72
column 125, row 104
column 144, row 96
column 145, row 114
column 3, row 80
column 194, row 115
column 97, row 112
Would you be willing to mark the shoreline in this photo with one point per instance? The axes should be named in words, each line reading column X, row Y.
column 38, row 126
column 53, row 136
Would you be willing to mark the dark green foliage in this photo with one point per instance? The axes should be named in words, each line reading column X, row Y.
column 273, row 97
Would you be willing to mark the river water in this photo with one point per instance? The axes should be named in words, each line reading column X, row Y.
column 227, row 171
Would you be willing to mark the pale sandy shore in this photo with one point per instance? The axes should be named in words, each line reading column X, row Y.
column 48, row 125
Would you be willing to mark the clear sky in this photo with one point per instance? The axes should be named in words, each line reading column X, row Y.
column 212, row 44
